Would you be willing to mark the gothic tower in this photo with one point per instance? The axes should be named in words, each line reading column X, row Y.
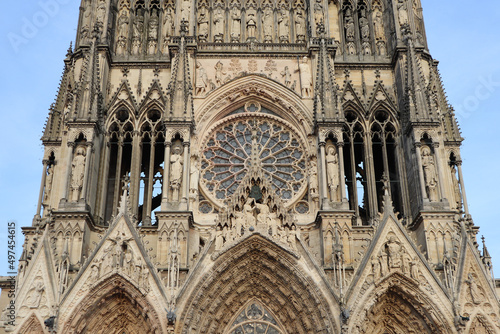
column 252, row 166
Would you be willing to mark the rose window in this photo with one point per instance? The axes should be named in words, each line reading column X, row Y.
column 267, row 143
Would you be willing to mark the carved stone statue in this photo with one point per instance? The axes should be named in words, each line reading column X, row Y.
column 319, row 16
column 185, row 10
column 202, row 24
column 251, row 23
column 384, row 266
column 153, row 32
column 48, row 184
column 219, row 73
column 376, row 268
column 168, row 28
column 313, row 178
column 201, row 79
column 333, row 173
column 364, row 26
column 248, row 210
column 239, row 222
column 85, row 31
column 235, row 24
column 123, row 22
column 283, row 26
column 402, row 12
column 475, row 294
column 219, row 239
column 101, row 14
column 430, row 174
column 263, row 215
column 77, row 175
column 268, row 25
column 305, row 77
column 414, row 268
column 378, row 25
column 287, row 76
column 219, row 25
column 138, row 29
column 456, row 188
column 176, row 172
column 194, row 178
column 349, row 32
column 300, row 26
column 393, row 248
column 37, row 297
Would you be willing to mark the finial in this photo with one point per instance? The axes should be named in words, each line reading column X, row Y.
column 69, row 53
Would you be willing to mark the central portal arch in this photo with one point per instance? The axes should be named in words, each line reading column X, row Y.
column 255, row 271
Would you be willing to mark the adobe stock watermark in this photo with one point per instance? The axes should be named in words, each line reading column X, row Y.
column 485, row 89
column 30, row 27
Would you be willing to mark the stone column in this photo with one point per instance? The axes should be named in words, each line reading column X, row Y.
column 86, row 177
column 324, row 190
column 69, row 159
column 166, row 175
column 135, row 171
column 185, row 175
column 462, row 187
column 420, row 170
column 340, row 153
column 42, row 187
column 105, row 180
column 149, row 198
column 116, row 191
column 437, row 155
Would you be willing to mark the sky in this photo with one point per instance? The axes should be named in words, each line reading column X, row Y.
column 35, row 35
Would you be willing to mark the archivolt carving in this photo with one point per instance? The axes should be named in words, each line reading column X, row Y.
column 282, row 101
column 32, row 326
column 124, row 308
column 256, row 269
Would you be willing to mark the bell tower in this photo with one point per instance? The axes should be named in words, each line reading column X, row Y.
column 257, row 166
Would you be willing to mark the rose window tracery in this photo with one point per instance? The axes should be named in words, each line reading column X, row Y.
column 255, row 319
column 241, row 143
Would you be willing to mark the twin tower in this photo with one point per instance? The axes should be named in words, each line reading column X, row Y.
column 252, row 166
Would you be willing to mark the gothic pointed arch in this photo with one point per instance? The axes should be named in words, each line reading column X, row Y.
column 255, row 317
column 479, row 325
column 254, row 269
column 123, row 95
column 270, row 94
column 114, row 306
column 32, row 325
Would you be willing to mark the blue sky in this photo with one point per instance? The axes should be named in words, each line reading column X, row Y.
column 463, row 37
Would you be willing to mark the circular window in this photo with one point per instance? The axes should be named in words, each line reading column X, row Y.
column 234, row 147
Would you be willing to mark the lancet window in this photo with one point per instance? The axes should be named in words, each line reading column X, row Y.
column 367, row 178
column 134, row 161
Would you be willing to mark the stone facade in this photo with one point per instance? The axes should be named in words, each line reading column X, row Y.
column 259, row 166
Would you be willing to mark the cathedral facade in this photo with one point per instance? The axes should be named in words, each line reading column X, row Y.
column 252, row 166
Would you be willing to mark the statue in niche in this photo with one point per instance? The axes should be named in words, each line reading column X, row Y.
column 313, row 178
column 429, row 173
column 414, row 268
column 393, row 248
column 194, row 179
column 319, row 17
column 251, row 24
column 456, row 187
column 305, row 77
column 168, row 28
column 77, row 175
column 287, row 76
column 219, row 25
column 235, row 24
column 201, row 79
column 376, row 268
column 378, row 25
column 185, row 10
column 37, row 297
column 332, row 172
column 349, row 32
column 219, row 239
column 128, row 262
column 283, row 26
column 384, row 267
column 202, row 25
column 406, row 260
column 300, row 26
column 123, row 21
column 101, row 14
column 274, row 222
column 176, row 172
column 402, row 12
column 263, row 215
column 475, row 294
column 48, row 183
column 85, row 31
column 94, row 273
column 291, row 238
column 219, row 73
column 364, row 26
column 239, row 221
column 137, row 33
column 248, row 211
column 153, row 32
column 268, row 24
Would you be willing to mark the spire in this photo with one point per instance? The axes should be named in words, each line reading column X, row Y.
column 325, row 99
column 180, row 88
